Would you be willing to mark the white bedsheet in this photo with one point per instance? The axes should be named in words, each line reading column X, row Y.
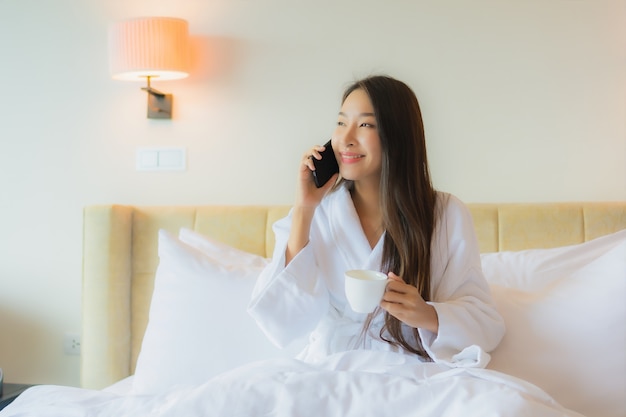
column 355, row 383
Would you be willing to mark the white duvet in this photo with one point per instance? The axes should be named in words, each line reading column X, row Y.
column 355, row 383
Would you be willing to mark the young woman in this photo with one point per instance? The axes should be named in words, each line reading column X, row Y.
column 380, row 212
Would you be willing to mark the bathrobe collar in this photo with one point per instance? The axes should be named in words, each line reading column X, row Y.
column 346, row 227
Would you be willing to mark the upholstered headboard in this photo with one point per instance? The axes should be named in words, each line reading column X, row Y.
column 120, row 258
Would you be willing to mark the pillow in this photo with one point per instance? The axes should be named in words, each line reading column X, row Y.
column 226, row 254
column 565, row 313
column 198, row 324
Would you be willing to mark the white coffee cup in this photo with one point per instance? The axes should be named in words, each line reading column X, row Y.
column 364, row 289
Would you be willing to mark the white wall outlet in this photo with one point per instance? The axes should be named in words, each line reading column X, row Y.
column 71, row 344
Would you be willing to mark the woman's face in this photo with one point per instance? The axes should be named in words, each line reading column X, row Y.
column 355, row 141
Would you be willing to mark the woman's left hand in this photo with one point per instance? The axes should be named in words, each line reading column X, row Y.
column 404, row 302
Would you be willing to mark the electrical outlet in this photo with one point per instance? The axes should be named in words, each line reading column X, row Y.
column 71, row 344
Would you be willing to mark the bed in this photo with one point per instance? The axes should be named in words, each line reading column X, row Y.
column 167, row 346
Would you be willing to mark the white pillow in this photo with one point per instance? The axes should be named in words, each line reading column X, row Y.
column 198, row 325
column 565, row 312
column 226, row 254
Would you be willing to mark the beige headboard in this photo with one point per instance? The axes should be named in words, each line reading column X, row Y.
column 120, row 258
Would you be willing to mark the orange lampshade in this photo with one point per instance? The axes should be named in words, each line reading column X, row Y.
column 156, row 47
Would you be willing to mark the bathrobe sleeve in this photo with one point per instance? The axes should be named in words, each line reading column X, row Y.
column 288, row 302
column 469, row 323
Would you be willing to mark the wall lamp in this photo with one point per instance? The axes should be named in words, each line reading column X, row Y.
column 148, row 49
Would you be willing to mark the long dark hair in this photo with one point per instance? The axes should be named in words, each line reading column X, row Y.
column 407, row 195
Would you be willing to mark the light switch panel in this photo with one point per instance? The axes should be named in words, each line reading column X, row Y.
column 161, row 159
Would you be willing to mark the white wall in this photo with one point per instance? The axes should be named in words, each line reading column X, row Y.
column 523, row 101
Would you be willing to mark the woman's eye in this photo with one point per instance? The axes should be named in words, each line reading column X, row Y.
column 367, row 125
column 340, row 123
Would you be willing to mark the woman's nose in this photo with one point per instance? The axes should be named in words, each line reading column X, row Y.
column 344, row 137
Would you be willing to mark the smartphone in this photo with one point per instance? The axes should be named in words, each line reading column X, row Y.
column 325, row 167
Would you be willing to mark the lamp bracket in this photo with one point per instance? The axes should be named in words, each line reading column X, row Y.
column 153, row 91
column 159, row 104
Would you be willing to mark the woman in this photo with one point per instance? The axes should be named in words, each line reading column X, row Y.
column 384, row 214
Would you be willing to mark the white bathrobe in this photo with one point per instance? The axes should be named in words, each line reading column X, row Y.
column 307, row 296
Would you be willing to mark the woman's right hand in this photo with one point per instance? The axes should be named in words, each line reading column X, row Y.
column 307, row 194
column 308, row 197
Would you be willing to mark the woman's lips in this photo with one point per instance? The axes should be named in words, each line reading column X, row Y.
column 350, row 158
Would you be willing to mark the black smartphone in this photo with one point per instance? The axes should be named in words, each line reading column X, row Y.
column 325, row 167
